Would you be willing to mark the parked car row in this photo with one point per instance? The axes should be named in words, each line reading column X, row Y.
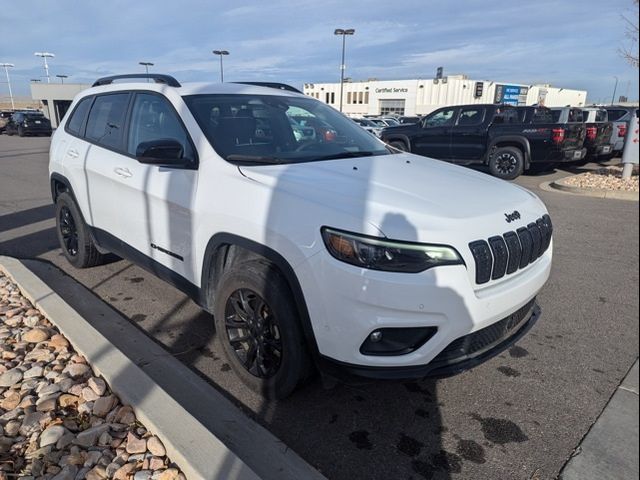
column 509, row 139
column 27, row 122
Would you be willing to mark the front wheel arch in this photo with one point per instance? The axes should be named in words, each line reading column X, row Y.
column 216, row 254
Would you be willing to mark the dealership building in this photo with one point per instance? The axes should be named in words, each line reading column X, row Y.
column 421, row 96
column 55, row 98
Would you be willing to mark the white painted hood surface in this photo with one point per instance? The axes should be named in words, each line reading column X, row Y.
column 407, row 197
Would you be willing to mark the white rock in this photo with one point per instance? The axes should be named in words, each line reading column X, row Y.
column 51, row 435
column 34, row 372
column 10, row 377
column 97, row 385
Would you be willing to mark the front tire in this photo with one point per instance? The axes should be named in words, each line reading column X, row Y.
column 506, row 163
column 257, row 326
column 73, row 234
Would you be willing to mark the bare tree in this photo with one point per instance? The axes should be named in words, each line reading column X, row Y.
column 630, row 54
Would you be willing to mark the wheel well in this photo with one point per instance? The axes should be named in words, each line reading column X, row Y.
column 58, row 187
column 225, row 256
column 510, row 143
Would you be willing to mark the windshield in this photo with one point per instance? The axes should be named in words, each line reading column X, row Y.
column 34, row 116
column 247, row 128
column 364, row 122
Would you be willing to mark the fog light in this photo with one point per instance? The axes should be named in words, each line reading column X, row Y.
column 376, row 336
column 396, row 341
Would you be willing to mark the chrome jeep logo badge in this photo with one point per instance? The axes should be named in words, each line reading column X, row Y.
column 510, row 217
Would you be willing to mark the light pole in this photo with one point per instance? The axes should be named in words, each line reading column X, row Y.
column 615, row 87
column 62, row 77
column 6, row 70
column 146, row 66
column 221, row 53
column 344, row 32
column 44, row 56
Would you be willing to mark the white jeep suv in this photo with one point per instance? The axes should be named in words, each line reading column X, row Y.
column 330, row 251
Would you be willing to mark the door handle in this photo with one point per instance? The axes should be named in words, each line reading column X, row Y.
column 122, row 172
column 72, row 153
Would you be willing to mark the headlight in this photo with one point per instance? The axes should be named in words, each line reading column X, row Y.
column 387, row 255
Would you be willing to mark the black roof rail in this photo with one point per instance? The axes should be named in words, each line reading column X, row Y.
column 156, row 77
column 279, row 86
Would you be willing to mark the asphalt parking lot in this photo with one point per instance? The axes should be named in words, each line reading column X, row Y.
column 519, row 416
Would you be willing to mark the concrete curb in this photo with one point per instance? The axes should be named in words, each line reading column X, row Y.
column 199, row 451
column 561, row 184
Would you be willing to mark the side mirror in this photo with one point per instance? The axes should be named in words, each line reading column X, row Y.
column 164, row 151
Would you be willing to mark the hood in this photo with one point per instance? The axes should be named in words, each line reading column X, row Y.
column 405, row 196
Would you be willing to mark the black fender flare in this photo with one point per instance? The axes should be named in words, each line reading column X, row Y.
column 398, row 136
column 57, row 177
column 223, row 238
column 519, row 140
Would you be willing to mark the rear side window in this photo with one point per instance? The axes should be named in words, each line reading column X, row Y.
column 506, row 115
column 471, row 116
column 601, row 116
column 543, row 115
column 615, row 115
column 577, row 116
column 106, row 119
column 441, row 118
column 153, row 118
column 78, row 115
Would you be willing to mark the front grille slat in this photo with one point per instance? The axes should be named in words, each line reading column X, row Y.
column 527, row 245
column 507, row 253
column 484, row 261
column 537, row 240
column 500, row 257
column 515, row 251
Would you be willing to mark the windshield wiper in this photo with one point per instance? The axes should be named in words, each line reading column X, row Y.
column 254, row 159
column 347, row 155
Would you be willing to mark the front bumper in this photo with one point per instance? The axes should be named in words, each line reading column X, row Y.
column 346, row 304
column 461, row 355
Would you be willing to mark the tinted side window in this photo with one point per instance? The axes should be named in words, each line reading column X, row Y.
column 601, row 116
column 106, row 119
column 556, row 115
column 615, row 115
column 153, row 118
column 542, row 115
column 471, row 116
column 440, row 118
column 578, row 116
column 77, row 117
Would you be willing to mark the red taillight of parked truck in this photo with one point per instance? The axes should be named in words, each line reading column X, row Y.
column 592, row 132
column 557, row 135
column 622, row 130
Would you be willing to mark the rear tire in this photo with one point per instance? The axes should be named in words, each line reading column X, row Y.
column 20, row 132
column 507, row 163
column 400, row 145
column 258, row 329
column 73, row 234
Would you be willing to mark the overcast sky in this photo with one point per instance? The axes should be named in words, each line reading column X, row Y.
column 571, row 44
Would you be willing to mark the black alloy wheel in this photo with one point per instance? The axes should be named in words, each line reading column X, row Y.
column 253, row 333
column 69, row 231
column 506, row 163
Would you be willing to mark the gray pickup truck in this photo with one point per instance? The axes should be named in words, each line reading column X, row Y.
column 620, row 117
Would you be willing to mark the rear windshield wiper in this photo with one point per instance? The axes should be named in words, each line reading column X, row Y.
column 254, row 159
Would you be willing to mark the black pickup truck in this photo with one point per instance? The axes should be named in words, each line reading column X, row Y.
column 510, row 140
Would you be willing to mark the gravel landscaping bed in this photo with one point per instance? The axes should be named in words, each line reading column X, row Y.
column 57, row 420
column 609, row 178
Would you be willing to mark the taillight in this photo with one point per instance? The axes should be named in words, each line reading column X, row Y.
column 592, row 132
column 622, row 130
column 557, row 135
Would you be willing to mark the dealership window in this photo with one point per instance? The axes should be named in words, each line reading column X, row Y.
column 333, row 98
column 366, row 97
column 359, row 97
column 326, row 97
